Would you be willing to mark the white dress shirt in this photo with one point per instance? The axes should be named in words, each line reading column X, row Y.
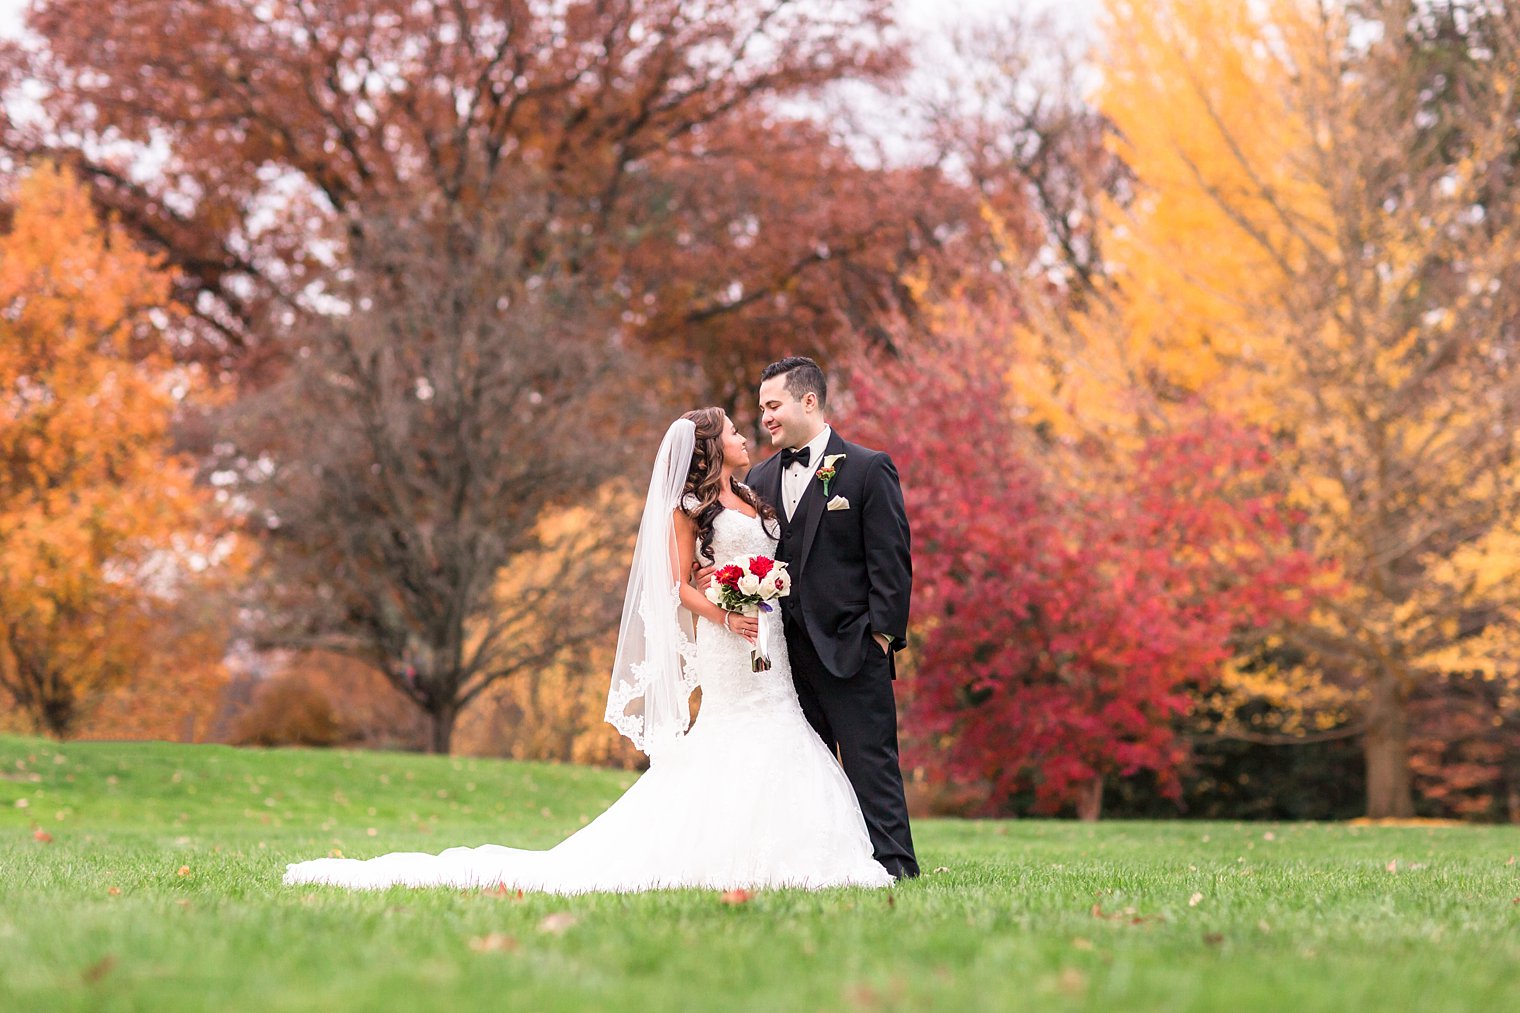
column 795, row 478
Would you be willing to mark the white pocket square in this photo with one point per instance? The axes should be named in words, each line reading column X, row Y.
column 839, row 503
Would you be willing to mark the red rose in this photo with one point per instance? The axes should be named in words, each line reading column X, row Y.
column 761, row 565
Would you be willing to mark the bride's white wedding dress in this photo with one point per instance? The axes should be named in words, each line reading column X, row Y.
column 749, row 797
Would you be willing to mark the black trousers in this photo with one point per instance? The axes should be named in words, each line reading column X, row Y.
column 857, row 720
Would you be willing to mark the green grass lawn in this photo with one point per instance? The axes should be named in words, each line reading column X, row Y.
column 1019, row 915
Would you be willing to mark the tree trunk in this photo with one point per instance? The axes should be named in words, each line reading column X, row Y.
column 1090, row 801
column 441, row 729
column 1385, row 749
column 57, row 716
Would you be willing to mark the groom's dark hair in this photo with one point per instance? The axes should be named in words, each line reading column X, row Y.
column 802, row 375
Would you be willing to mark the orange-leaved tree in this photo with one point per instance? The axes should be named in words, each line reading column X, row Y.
column 96, row 514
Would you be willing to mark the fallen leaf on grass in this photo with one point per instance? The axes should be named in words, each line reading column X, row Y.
column 1195, row 900
column 495, row 942
column 1081, row 944
column 1072, row 981
column 557, row 922
column 98, row 970
column 1392, row 866
column 335, row 853
column 942, row 868
column 502, row 892
column 738, row 896
column 42, row 836
column 1129, row 913
column 115, row 891
column 863, row 996
column 184, row 870
column 1213, row 938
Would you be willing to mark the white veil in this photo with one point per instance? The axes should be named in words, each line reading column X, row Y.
column 653, row 674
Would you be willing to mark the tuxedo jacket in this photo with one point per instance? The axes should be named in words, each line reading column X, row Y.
column 851, row 568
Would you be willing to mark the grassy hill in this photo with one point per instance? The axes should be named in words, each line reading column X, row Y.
column 159, row 889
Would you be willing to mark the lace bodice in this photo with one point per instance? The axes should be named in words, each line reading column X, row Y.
column 738, row 534
column 723, row 658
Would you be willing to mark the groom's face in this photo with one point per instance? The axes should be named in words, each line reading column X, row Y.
column 790, row 422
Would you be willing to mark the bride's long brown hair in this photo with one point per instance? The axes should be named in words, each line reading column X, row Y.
column 704, row 481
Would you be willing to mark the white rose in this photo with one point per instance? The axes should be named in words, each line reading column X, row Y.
column 714, row 595
column 768, row 584
column 749, row 584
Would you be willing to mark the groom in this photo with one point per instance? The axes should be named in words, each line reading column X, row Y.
column 844, row 538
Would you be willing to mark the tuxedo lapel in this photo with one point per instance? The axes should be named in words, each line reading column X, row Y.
column 810, row 508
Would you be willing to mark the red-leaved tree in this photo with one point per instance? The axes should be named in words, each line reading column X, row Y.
column 1064, row 607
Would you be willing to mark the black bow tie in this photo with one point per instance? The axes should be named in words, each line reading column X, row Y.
column 790, row 457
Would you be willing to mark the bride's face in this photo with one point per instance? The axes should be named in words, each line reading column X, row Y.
column 735, row 446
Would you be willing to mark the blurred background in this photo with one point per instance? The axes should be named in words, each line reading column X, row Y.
column 337, row 336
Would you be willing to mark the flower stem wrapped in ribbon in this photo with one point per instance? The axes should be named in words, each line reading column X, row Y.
column 748, row 585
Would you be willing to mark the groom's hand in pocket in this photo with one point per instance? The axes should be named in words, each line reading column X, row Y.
column 883, row 641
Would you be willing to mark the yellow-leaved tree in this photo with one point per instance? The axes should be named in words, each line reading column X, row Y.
column 1325, row 237
column 97, row 516
column 553, row 709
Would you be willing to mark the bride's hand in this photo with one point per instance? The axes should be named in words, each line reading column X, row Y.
column 747, row 627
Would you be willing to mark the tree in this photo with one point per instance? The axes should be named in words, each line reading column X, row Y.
column 179, row 678
column 435, row 414
column 1466, row 748
column 1064, row 619
column 1326, row 239
column 652, row 127
column 98, row 519
column 1008, row 111
column 554, row 711
column 282, row 164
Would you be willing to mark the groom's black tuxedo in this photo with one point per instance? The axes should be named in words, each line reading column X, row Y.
column 852, row 575
column 851, row 569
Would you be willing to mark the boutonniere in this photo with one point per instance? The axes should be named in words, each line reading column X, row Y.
column 828, row 470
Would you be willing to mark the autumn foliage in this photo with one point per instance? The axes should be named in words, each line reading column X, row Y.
column 1325, row 239
column 1063, row 621
column 650, row 129
column 336, row 336
column 100, row 524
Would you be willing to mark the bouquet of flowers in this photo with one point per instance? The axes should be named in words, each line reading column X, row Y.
column 748, row 585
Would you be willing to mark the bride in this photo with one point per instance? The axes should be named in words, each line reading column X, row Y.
column 748, row 795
